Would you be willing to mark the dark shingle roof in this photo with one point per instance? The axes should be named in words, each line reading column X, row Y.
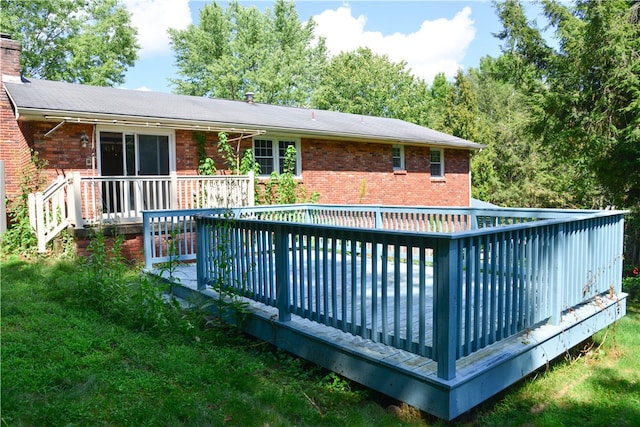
column 41, row 97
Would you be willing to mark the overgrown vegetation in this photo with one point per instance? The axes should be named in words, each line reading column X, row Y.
column 19, row 237
column 280, row 188
column 79, row 348
column 283, row 188
column 230, row 306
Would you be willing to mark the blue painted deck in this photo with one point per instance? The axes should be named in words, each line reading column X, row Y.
column 490, row 296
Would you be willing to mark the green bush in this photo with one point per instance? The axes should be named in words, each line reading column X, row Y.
column 110, row 286
column 631, row 285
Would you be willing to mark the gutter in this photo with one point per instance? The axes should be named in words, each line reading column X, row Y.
column 158, row 122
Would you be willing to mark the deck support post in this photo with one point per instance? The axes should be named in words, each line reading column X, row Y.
column 281, row 240
column 558, row 281
column 446, row 327
column 147, row 238
column 203, row 250
column 378, row 222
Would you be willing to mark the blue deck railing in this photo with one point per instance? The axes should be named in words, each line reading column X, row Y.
column 438, row 282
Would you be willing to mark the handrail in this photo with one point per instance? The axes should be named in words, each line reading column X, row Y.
column 50, row 212
column 121, row 199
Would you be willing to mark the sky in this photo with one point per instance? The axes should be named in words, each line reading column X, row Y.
column 430, row 36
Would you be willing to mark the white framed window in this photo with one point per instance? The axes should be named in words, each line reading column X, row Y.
column 436, row 162
column 270, row 153
column 398, row 157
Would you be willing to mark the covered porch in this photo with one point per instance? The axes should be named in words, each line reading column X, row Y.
column 438, row 307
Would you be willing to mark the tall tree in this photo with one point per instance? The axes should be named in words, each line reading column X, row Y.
column 461, row 116
column 361, row 82
column 584, row 94
column 83, row 41
column 515, row 169
column 439, row 92
column 238, row 49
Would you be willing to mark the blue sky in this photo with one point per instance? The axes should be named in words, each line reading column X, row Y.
column 431, row 36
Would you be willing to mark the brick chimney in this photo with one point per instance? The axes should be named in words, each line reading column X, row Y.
column 14, row 145
column 9, row 56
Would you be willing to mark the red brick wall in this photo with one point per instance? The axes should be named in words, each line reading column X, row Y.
column 132, row 246
column 62, row 149
column 187, row 151
column 14, row 139
column 341, row 172
column 353, row 173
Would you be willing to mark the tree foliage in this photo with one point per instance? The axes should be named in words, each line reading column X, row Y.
column 235, row 50
column 82, row 41
column 584, row 95
column 516, row 168
column 361, row 82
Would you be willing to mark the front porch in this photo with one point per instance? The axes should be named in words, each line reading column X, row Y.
column 440, row 308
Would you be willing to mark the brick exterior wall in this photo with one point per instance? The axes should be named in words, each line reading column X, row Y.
column 62, row 149
column 14, row 138
column 362, row 173
column 341, row 172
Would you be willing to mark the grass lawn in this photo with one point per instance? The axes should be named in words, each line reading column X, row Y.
column 69, row 361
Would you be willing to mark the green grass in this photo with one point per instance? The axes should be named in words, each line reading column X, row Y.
column 67, row 360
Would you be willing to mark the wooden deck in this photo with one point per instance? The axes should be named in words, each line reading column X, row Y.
column 407, row 376
column 440, row 308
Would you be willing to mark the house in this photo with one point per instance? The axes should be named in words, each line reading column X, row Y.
column 109, row 132
column 439, row 307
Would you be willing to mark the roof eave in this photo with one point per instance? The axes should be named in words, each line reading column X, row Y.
column 158, row 122
column 370, row 137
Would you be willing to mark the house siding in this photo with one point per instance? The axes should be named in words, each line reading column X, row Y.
column 62, row 150
column 347, row 172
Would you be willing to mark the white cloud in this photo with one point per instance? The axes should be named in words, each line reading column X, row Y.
column 152, row 18
column 437, row 46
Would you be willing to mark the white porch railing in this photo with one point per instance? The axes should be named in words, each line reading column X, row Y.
column 51, row 211
column 79, row 201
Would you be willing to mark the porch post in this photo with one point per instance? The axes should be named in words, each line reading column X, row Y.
column 447, row 281
column 75, row 202
column 40, row 222
column 281, row 239
column 251, row 190
column 378, row 215
column 173, row 175
column 203, row 251
column 147, row 240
